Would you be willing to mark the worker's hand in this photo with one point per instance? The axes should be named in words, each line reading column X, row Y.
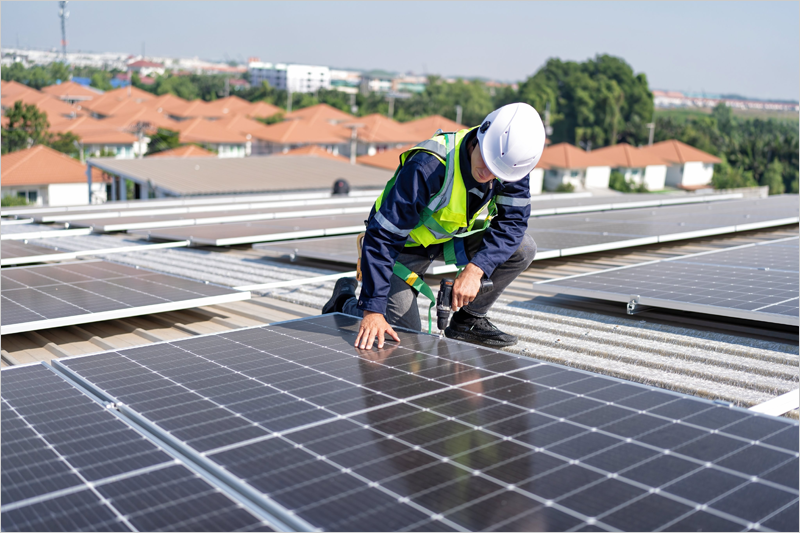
column 466, row 287
column 372, row 325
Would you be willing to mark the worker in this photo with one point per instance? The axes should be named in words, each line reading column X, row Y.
column 429, row 210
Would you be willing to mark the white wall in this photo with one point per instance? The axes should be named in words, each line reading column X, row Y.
column 690, row 174
column 536, row 179
column 74, row 194
column 122, row 151
column 597, row 177
column 696, row 173
column 299, row 78
column 654, row 177
column 225, row 151
column 674, row 175
column 41, row 193
column 556, row 176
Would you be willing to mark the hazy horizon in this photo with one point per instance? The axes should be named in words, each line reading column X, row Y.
column 746, row 48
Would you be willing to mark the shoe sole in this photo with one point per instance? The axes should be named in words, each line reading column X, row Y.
column 330, row 305
column 457, row 336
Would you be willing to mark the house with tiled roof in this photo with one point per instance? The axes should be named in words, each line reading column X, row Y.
column 71, row 92
column 320, row 112
column 57, row 111
column 225, row 106
column 263, row 110
column 227, row 142
column 376, row 134
column 102, row 136
column 314, row 151
column 637, row 165
column 689, row 167
column 114, row 101
column 564, row 163
column 48, row 178
column 426, row 127
column 188, row 150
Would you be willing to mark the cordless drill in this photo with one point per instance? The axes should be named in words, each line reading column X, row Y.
column 444, row 300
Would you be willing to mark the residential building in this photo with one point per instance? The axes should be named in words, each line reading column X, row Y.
column 425, row 128
column 210, row 133
column 188, row 150
column 46, row 177
column 71, row 92
column 263, row 110
column 388, row 159
column 113, row 101
column 319, row 113
column 566, row 165
column 147, row 68
column 98, row 137
column 377, row 134
column 56, row 110
column 637, row 165
column 314, row 151
column 347, row 81
column 689, row 168
column 291, row 77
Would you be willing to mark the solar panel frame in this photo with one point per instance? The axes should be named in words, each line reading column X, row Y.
column 718, row 281
column 71, row 463
column 556, row 394
column 92, row 291
column 47, row 254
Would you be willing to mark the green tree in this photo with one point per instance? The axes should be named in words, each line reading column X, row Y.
column 773, row 178
column 13, row 201
column 26, row 126
column 162, row 140
column 67, row 143
column 729, row 177
column 101, row 80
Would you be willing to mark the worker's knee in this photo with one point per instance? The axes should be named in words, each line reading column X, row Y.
column 526, row 251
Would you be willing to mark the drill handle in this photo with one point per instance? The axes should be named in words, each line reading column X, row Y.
column 486, row 286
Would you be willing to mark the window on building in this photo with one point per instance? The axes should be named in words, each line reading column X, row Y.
column 31, row 196
column 574, row 174
column 635, row 172
column 552, row 173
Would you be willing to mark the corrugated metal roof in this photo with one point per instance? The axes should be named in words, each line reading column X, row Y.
column 180, row 177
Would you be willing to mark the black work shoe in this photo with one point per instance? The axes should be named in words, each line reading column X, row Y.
column 468, row 328
column 344, row 289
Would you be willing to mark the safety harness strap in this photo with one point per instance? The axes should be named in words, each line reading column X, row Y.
column 416, row 282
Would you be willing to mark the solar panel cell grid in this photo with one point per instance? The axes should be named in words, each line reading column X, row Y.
column 68, row 464
column 435, row 434
column 73, row 293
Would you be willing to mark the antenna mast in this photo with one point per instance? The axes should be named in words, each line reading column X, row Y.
column 64, row 14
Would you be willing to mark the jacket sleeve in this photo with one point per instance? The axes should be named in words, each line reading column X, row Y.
column 505, row 233
column 388, row 227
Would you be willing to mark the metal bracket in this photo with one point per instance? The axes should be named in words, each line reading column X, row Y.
column 634, row 307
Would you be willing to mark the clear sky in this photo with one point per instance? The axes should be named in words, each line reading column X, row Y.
column 749, row 48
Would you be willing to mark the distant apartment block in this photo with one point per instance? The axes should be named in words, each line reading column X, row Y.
column 295, row 78
column 667, row 99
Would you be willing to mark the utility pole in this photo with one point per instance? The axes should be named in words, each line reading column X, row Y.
column 288, row 99
column 353, row 140
column 391, row 106
column 63, row 13
column 227, row 87
column 459, row 109
column 353, row 106
column 547, row 128
column 652, row 128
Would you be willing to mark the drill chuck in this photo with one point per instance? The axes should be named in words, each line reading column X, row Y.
column 444, row 300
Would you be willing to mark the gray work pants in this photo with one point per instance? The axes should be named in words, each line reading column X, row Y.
column 402, row 309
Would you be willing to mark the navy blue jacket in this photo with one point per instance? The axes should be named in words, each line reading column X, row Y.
column 420, row 178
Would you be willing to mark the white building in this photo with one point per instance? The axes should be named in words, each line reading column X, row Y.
column 639, row 166
column 46, row 177
column 687, row 167
column 287, row 76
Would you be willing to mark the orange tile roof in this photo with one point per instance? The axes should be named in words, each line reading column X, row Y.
column 388, row 159
column 320, row 112
column 112, row 101
column 244, row 126
column 165, row 103
column 301, row 131
column 41, row 165
column 224, row 106
column 314, row 150
column 127, row 120
column 189, row 150
column 379, row 129
column 624, row 155
column 189, row 109
column 424, row 128
column 263, row 110
column 13, row 88
column 564, row 155
column 70, row 88
column 57, row 111
column 94, row 131
column 208, row 131
column 678, row 152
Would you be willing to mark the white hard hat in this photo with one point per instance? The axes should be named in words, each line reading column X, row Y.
column 512, row 140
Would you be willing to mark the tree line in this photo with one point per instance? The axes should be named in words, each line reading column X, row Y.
column 598, row 102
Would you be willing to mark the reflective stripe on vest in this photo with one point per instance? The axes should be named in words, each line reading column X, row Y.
column 441, row 220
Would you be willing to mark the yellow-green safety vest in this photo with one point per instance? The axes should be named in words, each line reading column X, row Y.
column 445, row 216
